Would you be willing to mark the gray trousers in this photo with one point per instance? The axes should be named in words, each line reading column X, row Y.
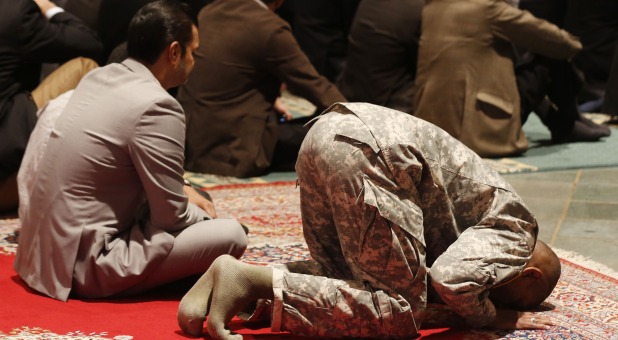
column 195, row 248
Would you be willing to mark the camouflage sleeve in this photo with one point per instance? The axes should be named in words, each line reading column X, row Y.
column 483, row 256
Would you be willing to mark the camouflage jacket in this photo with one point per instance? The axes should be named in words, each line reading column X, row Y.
column 476, row 229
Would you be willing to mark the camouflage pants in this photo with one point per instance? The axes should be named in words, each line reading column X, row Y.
column 369, row 279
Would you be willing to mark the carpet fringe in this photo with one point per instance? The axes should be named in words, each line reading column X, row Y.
column 586, row 262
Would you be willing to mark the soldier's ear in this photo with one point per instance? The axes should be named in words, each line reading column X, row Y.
column 532, row 273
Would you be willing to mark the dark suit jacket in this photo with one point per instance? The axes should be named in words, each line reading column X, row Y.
column 113, row 21
column 596, row 24
column 382, row 53
column 86, row 10
column 27, row 39
column 245, row 52
column 114, row 16
column 321, row 28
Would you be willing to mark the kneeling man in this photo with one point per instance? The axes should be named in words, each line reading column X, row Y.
column 391, row 206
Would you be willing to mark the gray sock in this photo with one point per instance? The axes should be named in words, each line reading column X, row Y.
column 235, row 285
column 194, row 305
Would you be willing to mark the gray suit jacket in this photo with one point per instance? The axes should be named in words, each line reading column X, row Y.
column 108, row 191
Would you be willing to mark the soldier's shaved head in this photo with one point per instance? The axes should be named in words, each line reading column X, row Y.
column 534, row 284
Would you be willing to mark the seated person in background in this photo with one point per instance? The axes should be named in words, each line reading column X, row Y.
column 382, row 53
column 389, row 203
column 108, row 212
column 86, row 10
column 113, row 18
column 321, row 28
column 31, row 33
column 113, row 21
column 596, row 24
column 466, row 82
column 231, row 100
column 550, row 87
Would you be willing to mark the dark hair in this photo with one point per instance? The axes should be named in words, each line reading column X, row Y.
column 155, row 26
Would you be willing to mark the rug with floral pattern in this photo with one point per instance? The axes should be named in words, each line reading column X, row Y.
column 584, row 304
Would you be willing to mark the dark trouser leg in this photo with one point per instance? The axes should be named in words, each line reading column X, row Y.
column 291, row 136
column 566, row 122
column 15, row 129
column 610, row 104
column 532, row 82
column 8, row 194
column 544, row 79
column 563, row 90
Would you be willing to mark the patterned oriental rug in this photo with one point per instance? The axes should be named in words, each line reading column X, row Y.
column 584, row 305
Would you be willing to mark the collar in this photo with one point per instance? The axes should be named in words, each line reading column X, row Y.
column 139, row 68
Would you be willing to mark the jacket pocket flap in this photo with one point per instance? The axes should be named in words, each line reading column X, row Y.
column 398, row 210
column 496, row 101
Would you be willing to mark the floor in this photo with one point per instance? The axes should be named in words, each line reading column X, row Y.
column 577, row 210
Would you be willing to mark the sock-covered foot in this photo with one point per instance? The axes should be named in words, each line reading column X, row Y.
column 603, row 128
column 235, row 284
column 193, row 307
column 580, row 133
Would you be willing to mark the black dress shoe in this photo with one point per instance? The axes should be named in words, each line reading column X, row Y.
column 589, row 123
column 580, row 133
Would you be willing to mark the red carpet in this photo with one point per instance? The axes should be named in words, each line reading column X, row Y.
column 584, row 305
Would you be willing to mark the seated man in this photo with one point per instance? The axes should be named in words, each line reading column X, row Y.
column 231, row 100
column 32, row 33
column 466, row 83
column 108, row 212
column 386, row 31
column 387, row 198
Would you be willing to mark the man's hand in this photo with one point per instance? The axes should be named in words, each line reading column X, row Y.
column 200, row 201
column 45, row 5
column 282, row 110
column 510, row 319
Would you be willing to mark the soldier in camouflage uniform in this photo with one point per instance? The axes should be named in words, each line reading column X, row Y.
column 386, row 199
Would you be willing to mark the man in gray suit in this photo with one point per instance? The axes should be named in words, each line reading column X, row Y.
column 109, row 213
